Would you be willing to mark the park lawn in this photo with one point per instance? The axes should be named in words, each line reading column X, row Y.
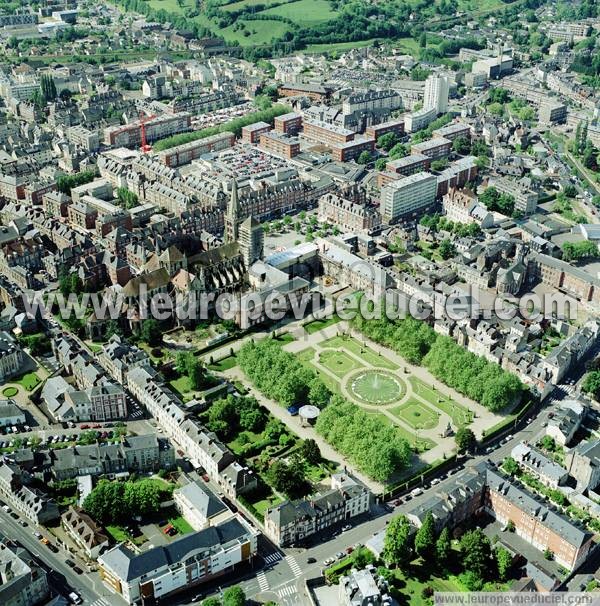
column 412, row 586
column 10, row 392
column 338, row 362
column 317, row 325
column 236, row 6
column 306, row 356
column 422, row 445
column 459, row 414
column 181, row 525
column 416, row 414
column 261, row 32
column 238, row 444
column 362, row 351
column 286, row 337
column 304, row 12
column 182, row 385
column 224, row 364
column 264, row 504
column 94, row 347
column 28, row 381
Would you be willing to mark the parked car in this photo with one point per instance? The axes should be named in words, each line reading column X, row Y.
column 346, row 527
column 205, row 477
column 70, row 563
column 311, row 560
column 77, row 570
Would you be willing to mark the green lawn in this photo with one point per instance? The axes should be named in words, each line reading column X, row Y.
column 224, row 364
column 10, row 392
column 264, row 504
column 416, row 414
column 117, row 533
column 28, row 381
column 181, row 525
column 181, row 385
column 236, row 6
column 378, row 387
column 242, row 439
column 358, row 349
column 317, row 325
column 338, row 362
column 259, row 32
column 458, row 413
column 304, row 12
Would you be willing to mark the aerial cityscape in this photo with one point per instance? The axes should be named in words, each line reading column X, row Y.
column 299, row 302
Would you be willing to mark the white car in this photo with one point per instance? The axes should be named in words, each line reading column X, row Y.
column 435, row 481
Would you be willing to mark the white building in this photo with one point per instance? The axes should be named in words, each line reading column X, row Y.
column 10, row 414
column 191, row 560
column 11, row 357
column 436, row 93
column 408, row 197
column 199, row 506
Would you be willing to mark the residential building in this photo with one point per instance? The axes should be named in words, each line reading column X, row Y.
column 23, row 582
column 326, row 134
column 189, row 561
column 452, row 131
column 347, row 214
column 294, row 521
column 288, row 124
column 552, row 113
column 10, row 414
column 436, row 93
column 351, row 150
column 583, row 463
column 408, row 197
column 280, row 144
column 538, row 465
column 159, row 127
column 185, row 153
column 435, row 148
column 88, row 536
column 11, row 357
column 414, row 163
column 364, row 588
column 251, row 133
column 199, row 506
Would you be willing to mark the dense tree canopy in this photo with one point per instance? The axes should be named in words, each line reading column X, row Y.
column 374, row 447
column 397, row 543
column 279, row 375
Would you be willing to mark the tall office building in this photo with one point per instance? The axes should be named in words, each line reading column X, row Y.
column 252, row 240
column 408, row 197
column 436, row 93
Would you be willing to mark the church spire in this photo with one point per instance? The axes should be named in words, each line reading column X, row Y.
column 232, row 217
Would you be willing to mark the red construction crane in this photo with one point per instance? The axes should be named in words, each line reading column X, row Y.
column 143, row 119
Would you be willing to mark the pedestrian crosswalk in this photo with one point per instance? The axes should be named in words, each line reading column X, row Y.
column 291, row 560
column 272, row 558
column 263, row 584
column 136, row 414
column 100, row 602
column 288, row 590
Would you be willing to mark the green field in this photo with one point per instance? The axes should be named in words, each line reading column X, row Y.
column 416, row 414
column 224, row 364
column 304, row 12
column 259, row 32
column 459, row 414
column 10, row 392
column 338, row 362
column 317, row 325
column 359, row 350
column 236, row 6
column 28, row 381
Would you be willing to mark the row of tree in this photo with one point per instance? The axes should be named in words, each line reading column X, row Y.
column 280, row 376
column 437, row 222
column 235, row 126
column 453, row 365
column 228, row 416
column 111, row 502
column 577, row 251
column 374, row 447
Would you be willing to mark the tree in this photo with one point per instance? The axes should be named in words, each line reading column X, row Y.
column 461, row 145
column 142, row 497
column 447, row 249
column 465, row 439
column 476, row 552
column 380, row 164
column 425, row 537
column 310, row 451
column 423, row 40
column 591, row 383
column 397, row 546
column 127, row 198
column 510, row 466
column 443, row 547
column 189, row 365
column 387, row 141
column 504, row 562
column 105, row 502
column 289, row 479
column 234, row 596
column 364, row 158
column 151, row 332
column 212, row 601
column 223, row 417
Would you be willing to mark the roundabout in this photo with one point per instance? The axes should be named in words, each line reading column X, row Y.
column 376, row 387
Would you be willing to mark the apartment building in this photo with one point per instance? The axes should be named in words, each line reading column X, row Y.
column 252, row 132
column 420, row 119
column 452, row 131
column 408, row 197
column 457, row 174
column 395, row 126
column 583, row 463
column 280, row 144
column 11, row 357
column 347, row 214
column 118, row 357
column 83, row 529
column 185, row 153
column 526, row 200
column 84, row 138
column 409, row 165
column 552, row 113
column 199, row 506
column 537, row 464
column 130, row 135
column 193, row 559
column 292, row 522
column 23, row 582
column 288, row 124
column 436, row 148
column 326, row 134
column 351, row 150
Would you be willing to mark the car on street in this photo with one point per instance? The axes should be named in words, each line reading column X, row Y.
column 70, row 563
column 435, row 481
column 311, row 560
column 77, row 570
column 346, row 527
column 339, row 555
column 37, row 535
